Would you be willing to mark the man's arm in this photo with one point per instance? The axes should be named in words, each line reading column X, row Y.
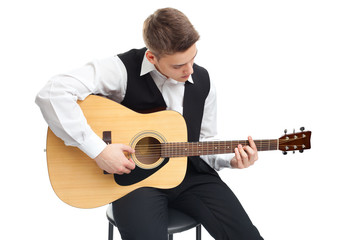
column 58, row 104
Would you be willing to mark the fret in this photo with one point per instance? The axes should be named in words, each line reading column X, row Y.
column 186, row 148
column 192, row 148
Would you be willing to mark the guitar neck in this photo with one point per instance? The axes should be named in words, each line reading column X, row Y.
column 185, row 149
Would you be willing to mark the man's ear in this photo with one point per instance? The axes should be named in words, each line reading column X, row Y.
column 151, row 57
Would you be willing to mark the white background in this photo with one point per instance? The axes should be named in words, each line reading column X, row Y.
column 277, row 64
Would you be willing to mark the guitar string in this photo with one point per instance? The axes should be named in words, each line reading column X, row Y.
column 201, row 149
column 179, row 149
column 150, row 155
column 194, row 152
column 206, row 144
column 198, row 145
column 224, row 147
column 181, row 145
column 265, row 141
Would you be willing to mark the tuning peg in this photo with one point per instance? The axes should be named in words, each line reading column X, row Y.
column 302, row 129
column 285, row 131
column 284, row 152
column 301, row 151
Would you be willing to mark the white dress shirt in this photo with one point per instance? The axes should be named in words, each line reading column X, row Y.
column 58, row 103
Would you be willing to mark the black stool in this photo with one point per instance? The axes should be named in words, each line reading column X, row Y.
column 178, row 222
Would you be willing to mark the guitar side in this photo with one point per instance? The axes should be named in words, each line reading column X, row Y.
column 76, row 178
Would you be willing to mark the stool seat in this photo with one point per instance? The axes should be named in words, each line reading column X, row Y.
column 178, row 222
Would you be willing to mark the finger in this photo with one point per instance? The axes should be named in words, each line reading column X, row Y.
column 252, row 143
column 253, row 146
column 127, row 148
column 239, row 162
column 244, row 156
column 251, row 154
column 132, row 163
column 249, row 150
column 242, row 152
column 129, row 164
column 125, row 170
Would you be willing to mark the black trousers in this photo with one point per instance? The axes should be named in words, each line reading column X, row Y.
column 142, row 214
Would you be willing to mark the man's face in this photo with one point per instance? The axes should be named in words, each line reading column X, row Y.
column 178, row 66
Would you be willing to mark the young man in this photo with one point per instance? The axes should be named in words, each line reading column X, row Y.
column 161, row 75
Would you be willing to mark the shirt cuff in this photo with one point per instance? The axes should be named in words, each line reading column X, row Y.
column 93, row 145
column 223, row 161
column 219, row 161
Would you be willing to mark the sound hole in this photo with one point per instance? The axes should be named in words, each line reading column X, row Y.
column 148, row 150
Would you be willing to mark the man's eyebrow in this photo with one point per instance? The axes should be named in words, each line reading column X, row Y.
column 179, row 65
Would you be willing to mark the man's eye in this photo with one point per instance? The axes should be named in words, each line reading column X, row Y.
column 176, row 67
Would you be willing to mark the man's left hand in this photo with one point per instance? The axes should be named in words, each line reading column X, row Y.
column 245, row 156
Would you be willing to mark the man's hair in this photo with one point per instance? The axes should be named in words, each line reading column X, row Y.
column 168, row 31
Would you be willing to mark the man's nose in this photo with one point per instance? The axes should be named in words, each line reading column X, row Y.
column 189, row 69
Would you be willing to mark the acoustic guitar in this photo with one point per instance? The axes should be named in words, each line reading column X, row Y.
column 161, row 150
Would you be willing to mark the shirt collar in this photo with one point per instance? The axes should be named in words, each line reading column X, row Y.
column 147, row 67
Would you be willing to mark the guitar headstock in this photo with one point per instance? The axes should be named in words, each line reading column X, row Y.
column 295, row 141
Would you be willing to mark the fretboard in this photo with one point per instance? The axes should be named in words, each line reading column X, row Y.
column 185, row 149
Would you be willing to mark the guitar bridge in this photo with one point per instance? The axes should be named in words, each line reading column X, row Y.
column 107, row 140
column 107, row 137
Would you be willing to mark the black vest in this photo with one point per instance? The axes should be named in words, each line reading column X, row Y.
column 143, row 96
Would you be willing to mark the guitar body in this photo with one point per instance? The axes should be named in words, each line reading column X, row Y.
column 79, row 182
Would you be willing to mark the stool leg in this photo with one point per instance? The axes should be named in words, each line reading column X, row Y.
column 111, row 231
column 170, row 237
column 198, row 232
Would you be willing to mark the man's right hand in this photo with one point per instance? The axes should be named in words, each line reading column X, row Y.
column 113, row 160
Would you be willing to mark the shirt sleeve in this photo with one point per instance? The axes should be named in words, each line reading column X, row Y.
column 58, row 101
column 209, row 132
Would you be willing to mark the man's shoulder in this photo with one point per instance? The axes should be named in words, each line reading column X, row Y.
column 199, row 70
column 132, row 59
column 135, row 52
column 199, row 67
